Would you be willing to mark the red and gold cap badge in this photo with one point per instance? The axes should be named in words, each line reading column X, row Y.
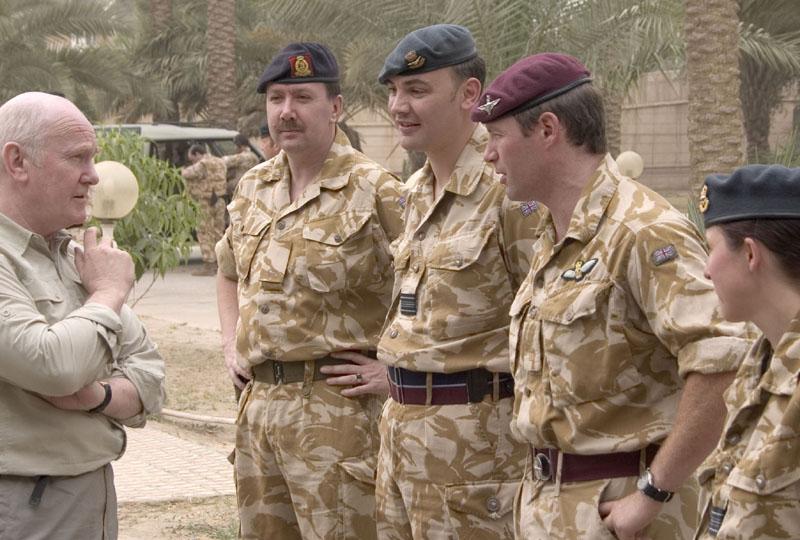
column 301, row 65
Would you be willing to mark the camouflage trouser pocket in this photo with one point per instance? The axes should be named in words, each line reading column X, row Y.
column 356, row 499
column 481, row 509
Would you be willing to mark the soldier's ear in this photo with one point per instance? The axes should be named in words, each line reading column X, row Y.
column 338, row 106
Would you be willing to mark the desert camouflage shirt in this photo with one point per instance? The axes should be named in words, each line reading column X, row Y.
column 457, row 267
column 315, row 274
column 238, row 164
column 755, row 471
column 610, row 319
column 206, row 178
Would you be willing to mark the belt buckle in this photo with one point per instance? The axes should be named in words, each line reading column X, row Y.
column 277, row 372
column 541, row 467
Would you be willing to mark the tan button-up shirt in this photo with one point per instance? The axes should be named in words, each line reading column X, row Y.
column 53, row 344
column 610, row 319
column 755, row 471
column 314, row 274
column 457, row 266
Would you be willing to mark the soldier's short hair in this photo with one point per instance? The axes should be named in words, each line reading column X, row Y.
column 580, row 111
column 241, row 140
column 197, row 149
column 474, row 68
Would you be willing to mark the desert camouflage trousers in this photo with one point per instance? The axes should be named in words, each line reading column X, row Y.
column 447, row 471
column 766, row 516
column 210, row 228
column 569, row 511
column 305, row 462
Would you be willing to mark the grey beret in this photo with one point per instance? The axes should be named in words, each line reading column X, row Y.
column 751, row 192
column 428, row 49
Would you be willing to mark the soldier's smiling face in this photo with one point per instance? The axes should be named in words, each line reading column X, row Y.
column 302, row 117
column 426, row 107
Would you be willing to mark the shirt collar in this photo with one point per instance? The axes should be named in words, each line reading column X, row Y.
column 784, row 366
column 470, row 165
column 594, row 200
column 335, row 171
column 19, row 238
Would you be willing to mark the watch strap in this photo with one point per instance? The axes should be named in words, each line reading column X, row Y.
column 106, row 400
column 660, row 495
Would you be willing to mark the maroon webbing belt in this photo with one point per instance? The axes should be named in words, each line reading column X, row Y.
column 580, row 468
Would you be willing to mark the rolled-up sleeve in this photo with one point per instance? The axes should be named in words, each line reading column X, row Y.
column 140, row 362
column 56, row 358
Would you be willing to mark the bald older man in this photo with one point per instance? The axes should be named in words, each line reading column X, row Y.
column 75, row 362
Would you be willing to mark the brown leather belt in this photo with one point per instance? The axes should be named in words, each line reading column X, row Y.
column 583, row 468
column 471, row 386
column 277, row 372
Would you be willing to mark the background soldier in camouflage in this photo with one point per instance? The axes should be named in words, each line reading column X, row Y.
column 308, row 250
column 618, row 353
column 448, row 467
column 205, row 181
column 752, row 480
column 267, row 144
column 237, row 164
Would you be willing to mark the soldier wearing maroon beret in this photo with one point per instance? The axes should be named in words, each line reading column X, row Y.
column 618, row 351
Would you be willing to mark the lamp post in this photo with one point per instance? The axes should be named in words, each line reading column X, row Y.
column 115, row 195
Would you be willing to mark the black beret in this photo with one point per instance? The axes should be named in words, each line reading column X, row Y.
column 751, row 192
column 428, row 49
column 530, row 82
column 300, row 63
column 263, row 130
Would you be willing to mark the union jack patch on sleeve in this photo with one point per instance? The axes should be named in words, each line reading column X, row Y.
column 528, row 208
column 401, row 202
column 664, row 254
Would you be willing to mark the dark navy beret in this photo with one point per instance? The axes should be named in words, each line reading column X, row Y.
column 300, row 63
column 751, row 192
column 428, row 49
column 530, row 82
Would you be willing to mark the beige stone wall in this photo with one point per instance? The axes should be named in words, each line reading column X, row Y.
column 654, row 124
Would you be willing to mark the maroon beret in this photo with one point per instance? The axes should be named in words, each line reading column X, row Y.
column 529, row 82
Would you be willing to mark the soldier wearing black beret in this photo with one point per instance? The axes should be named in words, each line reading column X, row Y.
column 752, row 220
column 620, row 355
column 464, row 251
column 304, row 279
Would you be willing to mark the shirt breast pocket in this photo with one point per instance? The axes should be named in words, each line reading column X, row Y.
column 765, row 489
column 587, row 357
column 469, row 290
column 339, row 252
column 247, row 239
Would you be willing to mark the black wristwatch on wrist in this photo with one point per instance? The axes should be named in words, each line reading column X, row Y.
column 645, row 485
column 106, row 399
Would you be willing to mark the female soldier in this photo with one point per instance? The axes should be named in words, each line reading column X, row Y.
column 753, row 230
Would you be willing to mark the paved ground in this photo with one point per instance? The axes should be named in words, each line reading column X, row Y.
column 158, row 466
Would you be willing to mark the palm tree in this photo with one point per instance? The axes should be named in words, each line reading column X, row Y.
column 57, row 46
column 222, row 109
column 770, row 63
column 712, row 71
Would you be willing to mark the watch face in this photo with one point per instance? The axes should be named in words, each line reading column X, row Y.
column 643, row 481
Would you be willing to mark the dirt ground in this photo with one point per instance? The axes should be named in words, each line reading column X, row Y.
column 196, row 382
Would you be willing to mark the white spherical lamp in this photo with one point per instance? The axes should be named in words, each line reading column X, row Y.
column 116, row 193
column 630, row 164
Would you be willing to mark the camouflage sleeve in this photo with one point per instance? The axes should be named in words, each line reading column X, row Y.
column 666, row 276
column 390, row 195
column 225, row 259
column 194, row 172
column 521, row 223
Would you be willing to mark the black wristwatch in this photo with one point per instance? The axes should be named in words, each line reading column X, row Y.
column 645, row 485
column 106, row 400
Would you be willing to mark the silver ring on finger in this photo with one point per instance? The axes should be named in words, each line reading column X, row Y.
column 359, row 378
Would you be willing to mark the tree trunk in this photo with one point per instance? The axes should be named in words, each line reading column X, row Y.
column 712, row 69
column 160, row 14
column 612, row 101
column 761, row 93
column 221, row 104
